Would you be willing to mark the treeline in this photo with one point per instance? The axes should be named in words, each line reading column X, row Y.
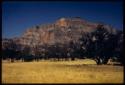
column 99, row 45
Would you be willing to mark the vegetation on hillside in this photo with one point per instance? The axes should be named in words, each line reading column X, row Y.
column 99, row 45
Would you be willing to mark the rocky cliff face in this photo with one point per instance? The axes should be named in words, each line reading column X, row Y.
column 62, row 31
column 66, row 38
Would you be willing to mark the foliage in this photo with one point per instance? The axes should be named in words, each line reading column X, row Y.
column 99, row 45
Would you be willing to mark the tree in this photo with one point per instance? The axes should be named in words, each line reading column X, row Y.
column 26, row 54
column 118, row 50
column 87, row 46
column 71, row 50
column 99, row 44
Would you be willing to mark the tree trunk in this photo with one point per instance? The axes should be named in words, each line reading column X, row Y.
column 12, row 60
column 72, row 58
column 105, row 61
column 98, row 61
column 66, row 59
column 58, row 58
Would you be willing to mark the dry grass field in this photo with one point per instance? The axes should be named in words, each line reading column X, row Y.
column 79, row 71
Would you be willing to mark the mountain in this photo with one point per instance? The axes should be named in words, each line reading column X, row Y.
column 66, row 37
column 62, row 31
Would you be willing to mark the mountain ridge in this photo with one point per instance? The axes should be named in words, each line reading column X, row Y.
column 63, row 30
column 66, row 38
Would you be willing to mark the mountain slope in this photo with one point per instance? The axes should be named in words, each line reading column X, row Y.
column 62, row 31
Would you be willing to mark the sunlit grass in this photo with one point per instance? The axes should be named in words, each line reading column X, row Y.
column 61, row 72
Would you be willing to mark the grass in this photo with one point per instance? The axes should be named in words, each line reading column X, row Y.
column 79, row 71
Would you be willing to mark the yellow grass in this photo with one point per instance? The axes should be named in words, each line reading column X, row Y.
column 61, row 72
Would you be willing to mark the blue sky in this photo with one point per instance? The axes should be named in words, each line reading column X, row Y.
column 18, row 16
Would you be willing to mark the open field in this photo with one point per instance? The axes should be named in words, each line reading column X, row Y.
column 79, row 71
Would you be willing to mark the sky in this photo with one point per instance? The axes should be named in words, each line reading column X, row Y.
column 19, row 16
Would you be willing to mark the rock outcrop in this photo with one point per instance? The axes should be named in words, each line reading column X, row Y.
column 66, row 38
column 62, row 31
